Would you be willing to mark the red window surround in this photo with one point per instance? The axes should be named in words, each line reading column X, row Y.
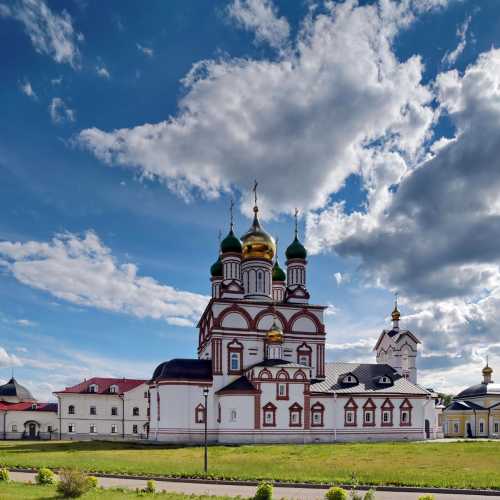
column 405, row 407
column 351, row 409
column 269, row 415
column 304, row 353
column 369, row 413
column 199, row 414
column 317, row 415
column 235, row 348
column 284, row 385
column 386, row 408
column 295, row 418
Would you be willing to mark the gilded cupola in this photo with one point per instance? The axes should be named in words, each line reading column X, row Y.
column 257, row 243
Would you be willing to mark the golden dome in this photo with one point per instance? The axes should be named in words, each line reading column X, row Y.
column 257, row 244
column 275, row 334
column 395, row 314
column 487, row 370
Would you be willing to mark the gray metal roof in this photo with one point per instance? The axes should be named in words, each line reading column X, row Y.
column 367, row 375
column 14, row 389
column 479, row 390
column 276, row 363
column 463, row 405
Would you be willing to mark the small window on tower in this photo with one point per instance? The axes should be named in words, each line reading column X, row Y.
column 260, row 281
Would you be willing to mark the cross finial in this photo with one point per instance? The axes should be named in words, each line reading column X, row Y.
column 296, row 215
column 487, row 360
column 219, row 236
column 231, row 215
column 255, row 184
column 396, row 300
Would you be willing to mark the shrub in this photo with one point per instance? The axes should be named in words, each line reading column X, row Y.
column 369, row 495
column 427, row 497
column 73, row 483
column 150, row 486
column 45, row 476
column 264, row 491
column 4, row 474
column 93, row 481
column 336, row 493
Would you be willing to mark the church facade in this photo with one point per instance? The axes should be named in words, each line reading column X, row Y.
column 260, row 375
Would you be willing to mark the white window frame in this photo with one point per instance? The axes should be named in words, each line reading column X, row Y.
column 282, row 390
column 93, row 429
column 93, row 388
column 135, row 429
column 234, row 356
column 349, row 416
column 368, row 417
column 114, row 429
column 114, row 411
column 113, row 389
column 71, row 428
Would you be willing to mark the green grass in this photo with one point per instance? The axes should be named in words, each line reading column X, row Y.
column 454, row 464
column 16, row 491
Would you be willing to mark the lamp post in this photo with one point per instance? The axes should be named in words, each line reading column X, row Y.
column 205, row 394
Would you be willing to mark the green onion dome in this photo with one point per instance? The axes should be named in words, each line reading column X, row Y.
column 296, row 250
column 216, row 268
column 230, row 243
column 278, row 273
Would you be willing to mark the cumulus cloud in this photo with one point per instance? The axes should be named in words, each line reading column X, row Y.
column 25, row 322
column 260, row 16
column 50, row 33
column 60, row 112
column 450, row 58
column 337, row 102
column 82, row 270
column 147, row 51
column 27, row 89
column 8, row 360
column 103, row 72
column 433, row 238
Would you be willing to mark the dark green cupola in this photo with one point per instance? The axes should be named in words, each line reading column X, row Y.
column 278, row 273
column 296, row 250
column 216, row 269
column 231, row 243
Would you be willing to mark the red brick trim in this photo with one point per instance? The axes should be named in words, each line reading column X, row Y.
column 270, row 312
column 300, row 375
column 287, row 392
column 235, row 347
column 405, row 406
column 234, row 308
column 304, row 350
column 318, row 408
column 387, row 406
column 269, row 408
column 297, row 410
column 369, row 408
column 351, row 406
column 257, row 408
column 320, row 328
column 200, row 414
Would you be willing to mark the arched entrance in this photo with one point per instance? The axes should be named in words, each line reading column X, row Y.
column 427, row 429
column 31, row 429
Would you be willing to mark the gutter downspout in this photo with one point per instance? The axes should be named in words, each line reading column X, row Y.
column 424, row 407
column 5, row 425
column 335, row 416
column 122, row 396
column 60, row 416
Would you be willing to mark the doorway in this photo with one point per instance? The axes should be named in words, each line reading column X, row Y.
column 32, row 430
column 469, row 430
column 427, row 429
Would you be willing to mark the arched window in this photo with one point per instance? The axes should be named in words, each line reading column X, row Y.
column 71, row 410
column 235, row 357
column 350, row 413
column 317, row 415
column 199, row 414
column 135, row 411
column 386, row 413
column 113, row 389
column 369, row 413
column 260, row 282
column 269, row 414
column 405, row 413
column 295, row 415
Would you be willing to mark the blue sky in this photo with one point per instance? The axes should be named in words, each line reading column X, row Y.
column 125, row 131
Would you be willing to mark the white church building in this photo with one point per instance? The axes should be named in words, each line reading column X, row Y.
column 261, row 364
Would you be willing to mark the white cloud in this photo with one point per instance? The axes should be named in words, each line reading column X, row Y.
column 103, row 72
column 8, row 360
column 341, row 278
column 50, row 33
column 25, row 322
column 27, row 89
column 56, row 81
column 260, row 16
column 331, row 310
column 81, row 270
column 434, row 237
column 337, row 102
column 147, row 51
column 60, row 112
column 450, row 58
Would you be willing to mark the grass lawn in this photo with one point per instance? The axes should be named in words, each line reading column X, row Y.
column 16, row 491
column 454, row 464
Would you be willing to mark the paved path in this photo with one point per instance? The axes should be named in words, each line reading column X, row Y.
column 245, row 491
